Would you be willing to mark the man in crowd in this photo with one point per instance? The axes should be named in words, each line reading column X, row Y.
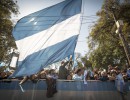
column 120, row 84
column 63, row 71
column 51, row 83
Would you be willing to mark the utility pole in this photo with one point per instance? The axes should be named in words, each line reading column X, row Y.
column 119, row 24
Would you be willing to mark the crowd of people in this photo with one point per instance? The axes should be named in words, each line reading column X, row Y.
column 66, row 73
column 93, row 73
column 79, row 73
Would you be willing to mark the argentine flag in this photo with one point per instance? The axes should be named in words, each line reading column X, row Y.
column 47, row 36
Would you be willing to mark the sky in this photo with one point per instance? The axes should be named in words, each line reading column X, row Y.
column 89, row 9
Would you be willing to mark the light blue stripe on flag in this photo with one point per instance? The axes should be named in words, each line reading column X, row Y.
column 47, row 36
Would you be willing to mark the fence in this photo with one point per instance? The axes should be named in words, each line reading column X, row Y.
column 67, row 90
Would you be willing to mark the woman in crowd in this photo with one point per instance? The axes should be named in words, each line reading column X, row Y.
column 78, row 75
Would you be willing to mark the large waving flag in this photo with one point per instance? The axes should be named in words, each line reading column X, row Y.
column 47, row 36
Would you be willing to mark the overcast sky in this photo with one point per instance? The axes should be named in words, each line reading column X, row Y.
column 90, row 7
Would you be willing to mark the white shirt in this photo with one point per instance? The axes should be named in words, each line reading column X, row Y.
column 119, row 77
column 52, row 76
column 85, row 75
column 119, row 82
column 77, row 77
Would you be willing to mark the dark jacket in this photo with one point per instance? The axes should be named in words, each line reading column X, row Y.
column 63, row 72
column 103, row 78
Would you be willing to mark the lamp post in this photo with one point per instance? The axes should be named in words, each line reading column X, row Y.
column 119, row 24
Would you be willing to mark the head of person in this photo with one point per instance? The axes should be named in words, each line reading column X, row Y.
column 3, row 74
column 96, row 76
column 79, row 72
column 83, row 69
column 62, row 63
column 103, row 73
column 51, row 71
column 47, row 71
column 109, row 67
column 128, row 68
column 43, row 74
column 33, row 77
column 118, row 70
column 69, row 77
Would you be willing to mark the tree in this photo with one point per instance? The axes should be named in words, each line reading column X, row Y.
column 86, row 62
column 7, row 7
column 105, row 45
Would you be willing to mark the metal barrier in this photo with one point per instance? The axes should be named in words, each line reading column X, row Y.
column 67, row 90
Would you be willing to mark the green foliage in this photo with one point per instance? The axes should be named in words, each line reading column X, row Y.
column 7, row 7
column 105, row 45
column 79, row 64
column 86, row 62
